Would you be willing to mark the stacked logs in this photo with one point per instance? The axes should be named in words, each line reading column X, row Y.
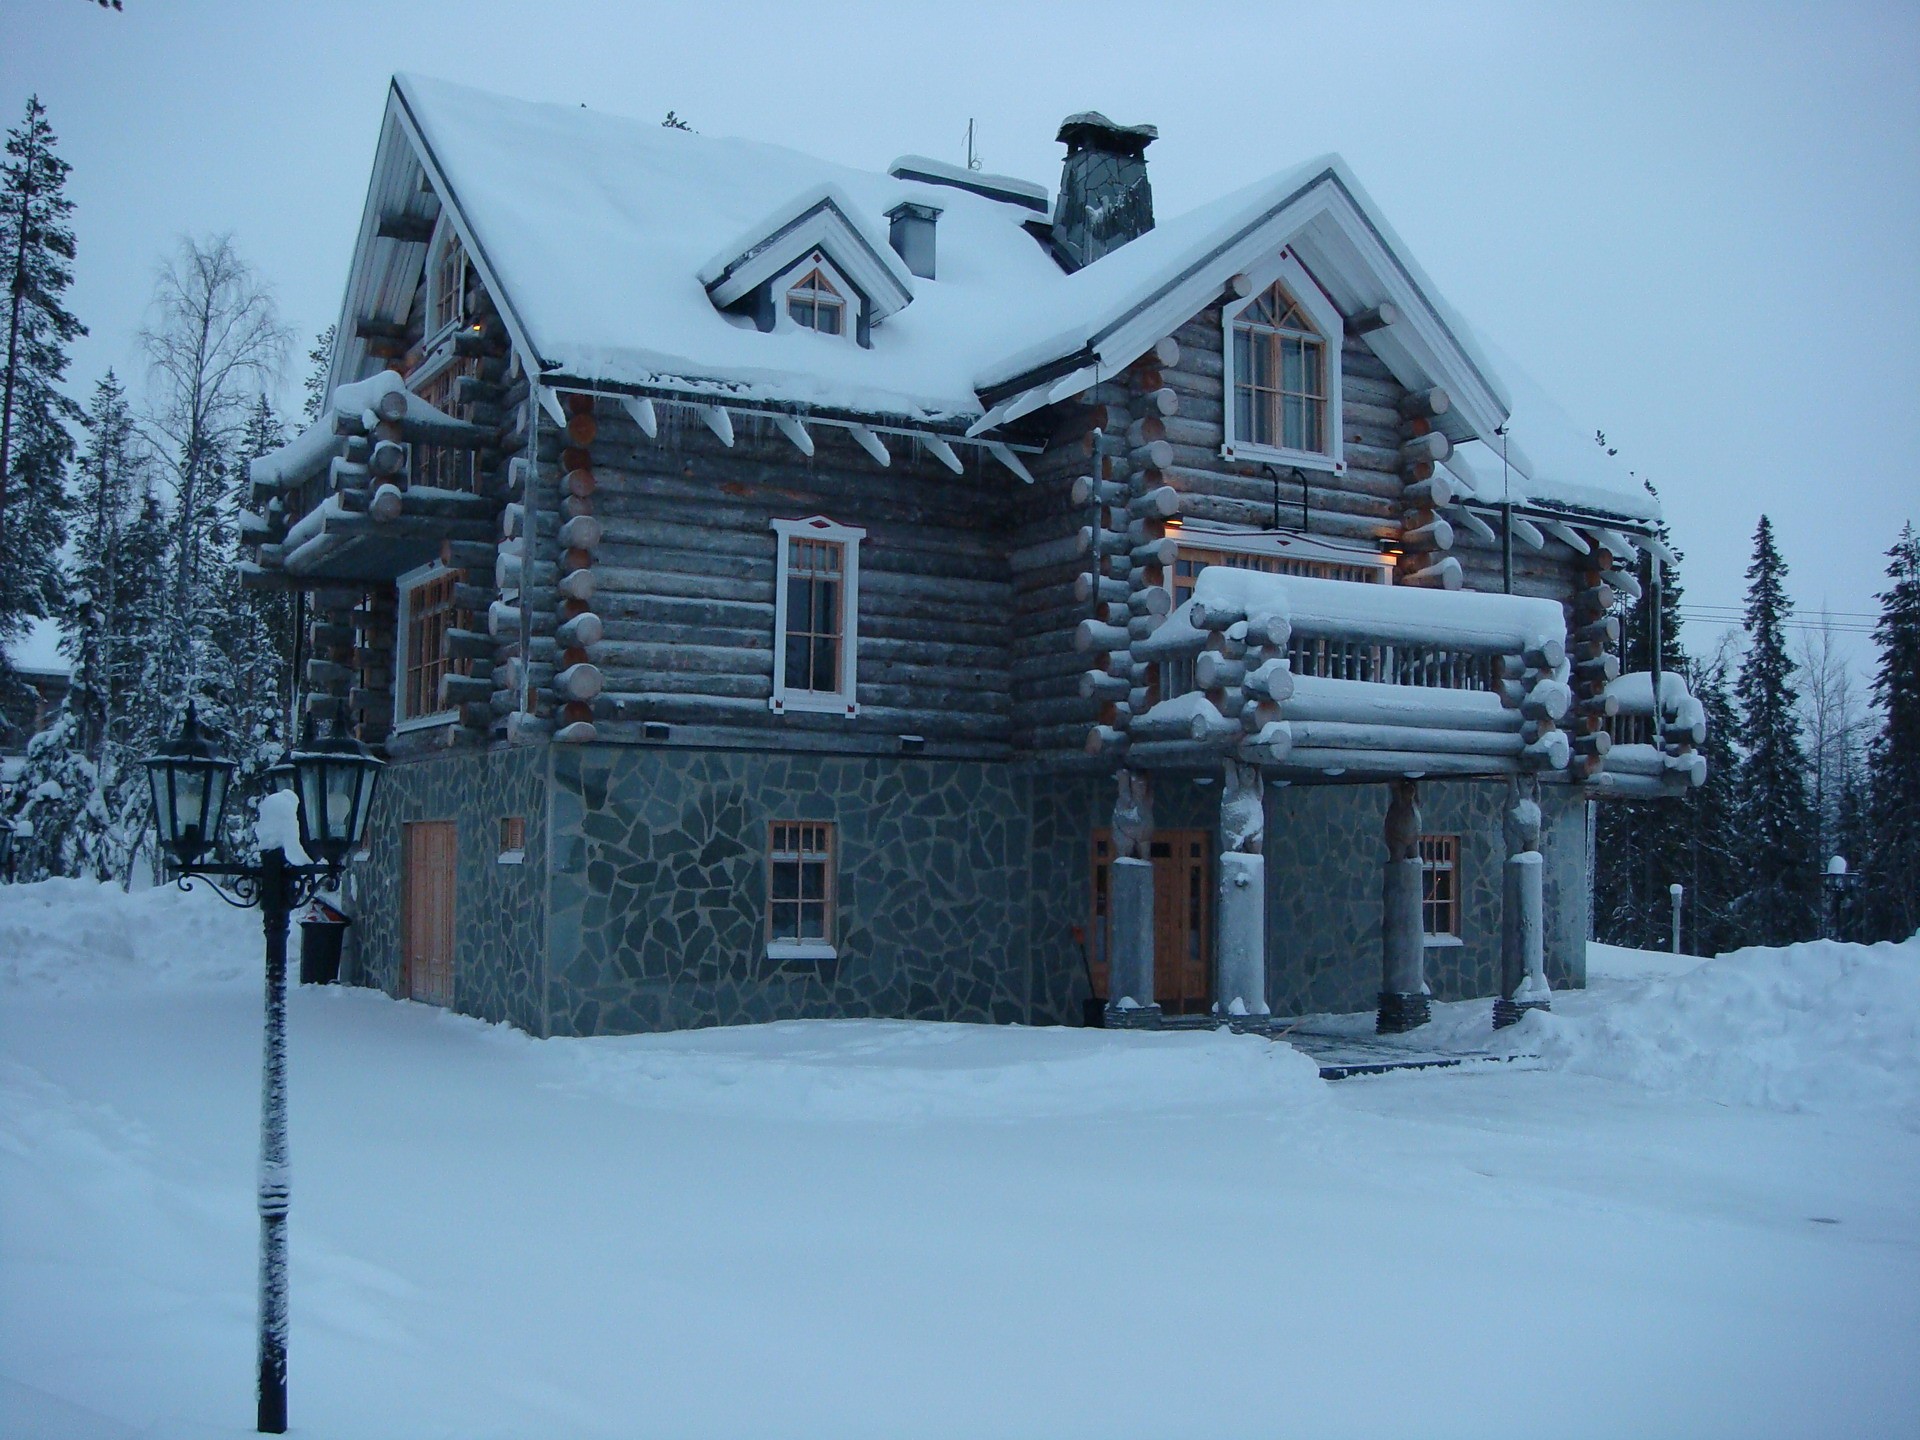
column 1596, row 635
column 1426, row 535
column 1530, row 683
column 375, row 628
column 576, row 679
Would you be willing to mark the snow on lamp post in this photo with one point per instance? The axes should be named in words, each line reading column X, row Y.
column 321, row 812
column 1838, row 883
column 1677, row 891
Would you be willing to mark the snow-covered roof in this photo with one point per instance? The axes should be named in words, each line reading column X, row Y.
column 38, row 651
column 602, row 234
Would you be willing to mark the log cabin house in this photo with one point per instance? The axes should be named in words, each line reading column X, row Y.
column 784, row 590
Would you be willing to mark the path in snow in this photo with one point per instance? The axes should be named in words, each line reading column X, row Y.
column 870, row 1228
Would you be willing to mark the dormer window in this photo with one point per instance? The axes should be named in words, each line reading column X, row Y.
column 1283, row 371
column 816, row 304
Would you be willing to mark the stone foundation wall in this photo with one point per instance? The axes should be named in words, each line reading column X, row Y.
column 1324, row 857
column 499, row 910
column 659, row 889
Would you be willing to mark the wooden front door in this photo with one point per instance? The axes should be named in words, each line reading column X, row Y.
column 1182, row 919
column 427, row 937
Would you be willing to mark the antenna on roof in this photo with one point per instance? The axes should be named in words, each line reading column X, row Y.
column 973, row 160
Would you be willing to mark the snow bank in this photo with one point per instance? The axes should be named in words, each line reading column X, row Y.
column 1815, row 1027
column 69, row 936
column 896, row 1070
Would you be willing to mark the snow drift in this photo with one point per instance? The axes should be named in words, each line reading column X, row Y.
column 77, row 935
column 1821, row 1026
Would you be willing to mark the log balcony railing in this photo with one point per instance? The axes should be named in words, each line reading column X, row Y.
column 1651, row 756
column 372, row 489
column 1320, row 679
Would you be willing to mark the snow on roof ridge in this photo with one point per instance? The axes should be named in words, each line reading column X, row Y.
column 941, row 172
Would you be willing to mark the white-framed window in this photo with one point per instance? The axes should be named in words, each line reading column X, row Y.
column 1283, row 370
column 816, row 628
column 446, row 281
column 800, row 890
column 815, row 296
column 427, row 611
column 1440, row 889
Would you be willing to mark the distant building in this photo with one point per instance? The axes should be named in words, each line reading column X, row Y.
column 41, row 675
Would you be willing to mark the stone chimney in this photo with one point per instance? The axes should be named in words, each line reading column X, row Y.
column 1104, row 200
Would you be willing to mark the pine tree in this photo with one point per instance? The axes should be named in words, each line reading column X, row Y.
column 1711, row 868
column 1641, row 848
column 1778, row 828
column 37, row 250
column 1892, row 854
column 319, row 367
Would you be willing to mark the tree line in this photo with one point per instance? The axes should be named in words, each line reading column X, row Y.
column 120, row 520
column 1802, row 766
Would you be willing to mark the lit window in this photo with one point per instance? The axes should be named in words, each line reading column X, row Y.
column 1279, row 375
column 816, row 615
column 1440, row 886
column 800, row 890
column 427, row 612
column 815, row 304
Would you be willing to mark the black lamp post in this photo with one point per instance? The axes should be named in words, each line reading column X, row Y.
column 335, row 780
column 1838, row 882
column 6, row 848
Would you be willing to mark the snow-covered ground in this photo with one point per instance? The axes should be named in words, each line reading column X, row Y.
column 1701, row 1218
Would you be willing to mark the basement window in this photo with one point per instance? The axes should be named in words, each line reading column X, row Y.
column 1440, row 889
column 816, row 616
column 800, row 898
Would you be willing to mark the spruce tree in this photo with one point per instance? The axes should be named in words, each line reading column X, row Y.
column 1642, row 847
column 36, row 250
column 1711, row 869
column 1892, row 868
column 319, row 367
column 1778, row 829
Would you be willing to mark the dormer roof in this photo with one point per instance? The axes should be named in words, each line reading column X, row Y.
column 820, row 218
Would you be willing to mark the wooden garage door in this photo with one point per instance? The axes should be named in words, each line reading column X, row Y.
column 1182, row 919
column 427, row 942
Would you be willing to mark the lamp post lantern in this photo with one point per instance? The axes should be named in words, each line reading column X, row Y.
column 1837, row 882
column 334, row 781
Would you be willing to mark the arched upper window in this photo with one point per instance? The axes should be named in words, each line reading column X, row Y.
column 1280, row 385
column 815, row 303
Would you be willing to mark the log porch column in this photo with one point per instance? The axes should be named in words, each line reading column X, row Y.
column 1240, row 911
column 1403, row 990
column 1523, row 971
column 1130, row 1002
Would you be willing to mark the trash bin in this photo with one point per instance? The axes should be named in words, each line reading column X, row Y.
column 322, row 928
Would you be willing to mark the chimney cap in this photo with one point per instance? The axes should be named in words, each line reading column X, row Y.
column 1092, row 130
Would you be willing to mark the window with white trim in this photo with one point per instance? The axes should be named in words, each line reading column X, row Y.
column 1282, row 366
column 1440, row 889
column 446, row 281
column 816, row 616
column 800, row 887
column 427, row 612
column 815, row 296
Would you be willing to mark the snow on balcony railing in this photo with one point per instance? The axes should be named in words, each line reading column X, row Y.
column 1651, row 756
column 1318, row 675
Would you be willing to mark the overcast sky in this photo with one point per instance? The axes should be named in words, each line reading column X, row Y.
column 1697, row 226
